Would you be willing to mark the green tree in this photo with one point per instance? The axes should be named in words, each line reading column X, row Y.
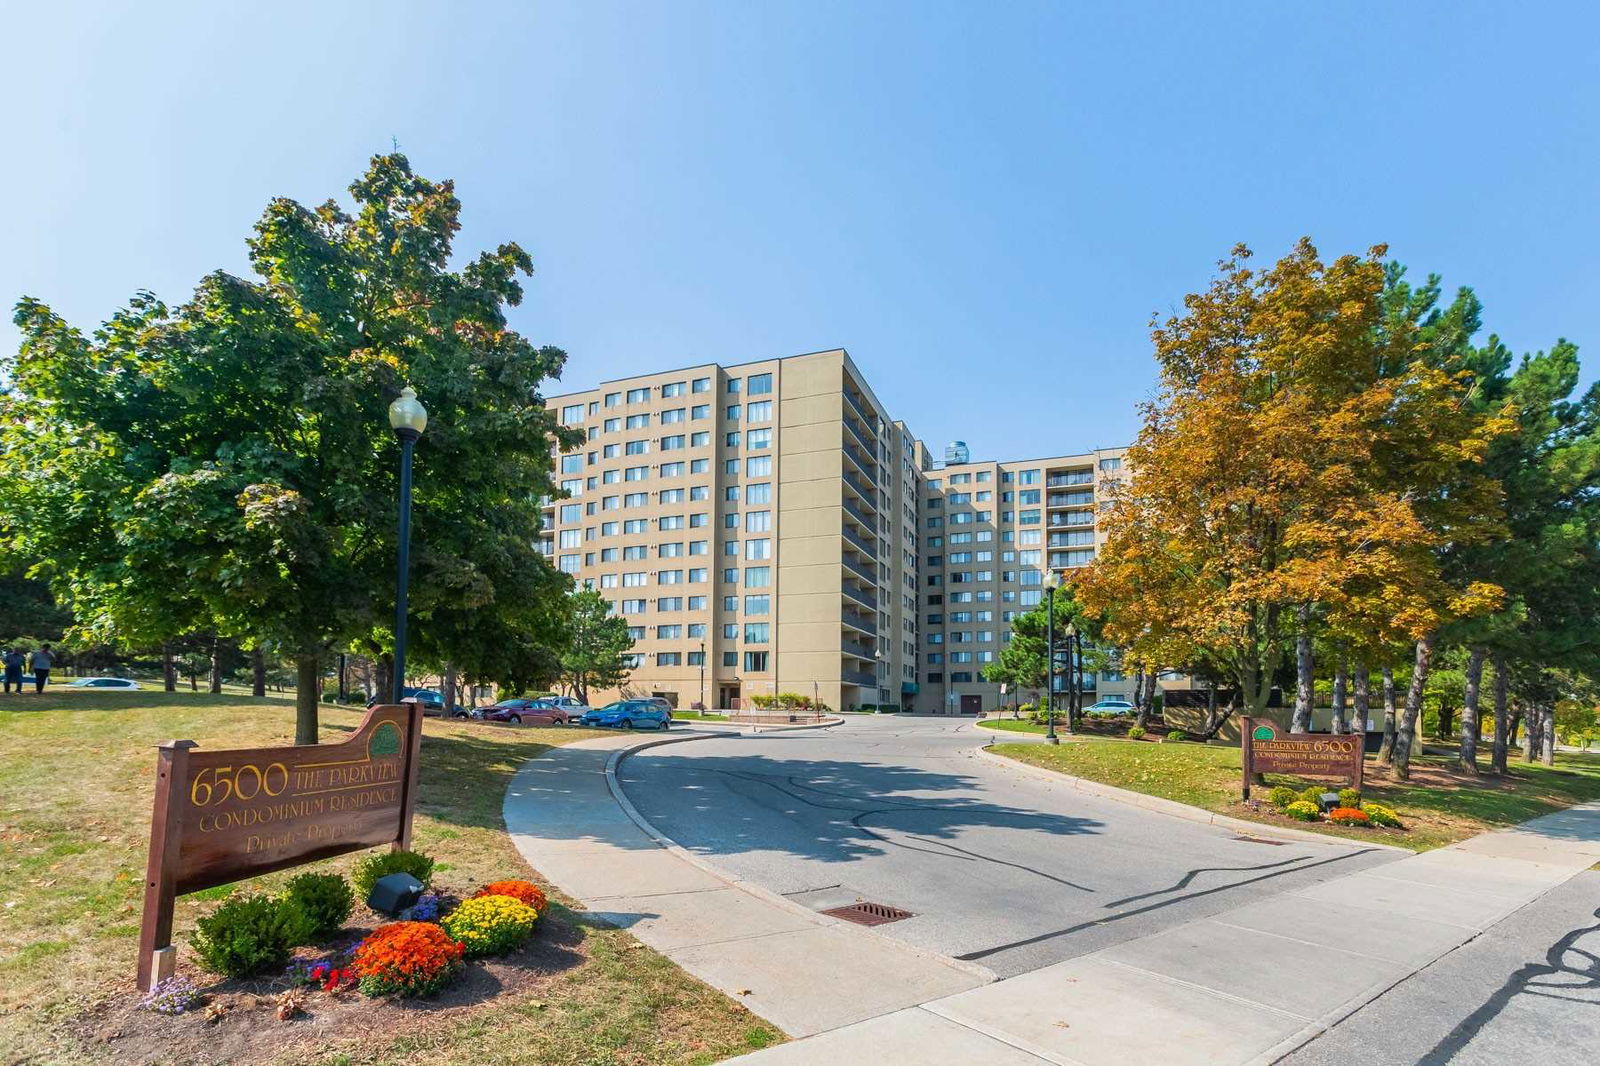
column 1024, row 659
column 228, row 466
column 597, row 645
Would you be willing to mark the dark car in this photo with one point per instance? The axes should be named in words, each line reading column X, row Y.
column 517, row 711
column 432, row 702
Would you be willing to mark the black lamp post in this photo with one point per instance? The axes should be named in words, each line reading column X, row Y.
column 1050, row 583
column 703, row 707
column 1073, row 698
column 408, row 418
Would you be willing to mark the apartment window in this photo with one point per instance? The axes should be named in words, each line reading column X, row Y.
column 731, row 440
column 672, row 416
column 636, row 473
column 609, row 529
column 697, row 603
column 608, row 581
column 760, row 411
column 675, row 388
column 758, row 466
column 733, row 386
column 756, row 633
column 1029, row 517
column 701, row 466
column 730, row 659
column 730, row 520
column 638, row 395
column 699, row 547
column 761, row 604
column 568, row 564
column 696, row 440
column 669, row 658
column 634, row 607
column 731, row 493
column 730, row 575
column 571, row 413
column 637, row 447
column 730, row 548
column 701, row 385
column 755, row 662
column 613, row 398
column 613, row 425
column 571, row 512
column 696, row 658
column 608, row 555
column 635, row 525
column 670, row 550
column 571, row 538
column 638, row 422
column 757, row 521
column 699, row 411
column 730, row 631
column 760, row 384
column 757, row 577
column 1028, row 496
column 572, row 464
column 761, row 493
column 732, row 413
column 697, row 576
column 731, row 467
column 758, row 549
column 672, row 632
column 573, row 487
column 671, row 495
column 611, row 451
column 756, row 439
column 985, row 475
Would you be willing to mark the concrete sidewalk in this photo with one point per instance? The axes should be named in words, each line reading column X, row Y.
column 804, row 972
column 1244, row 986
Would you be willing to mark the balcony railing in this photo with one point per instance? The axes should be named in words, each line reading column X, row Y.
column 856, row 648
column 863, row 678
column 861, row 596
column 1071, row 499
column 858, row 514
column 858, row 408
column 1076, row 477
column 860, row 434
column 863, row 461
column 867, row 492
column 865, row 573
column 863, row 622
column 1059, row 520
column 861, row 544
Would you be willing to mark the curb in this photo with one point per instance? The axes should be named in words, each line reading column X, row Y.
column 1174, row 809
column 983, row 973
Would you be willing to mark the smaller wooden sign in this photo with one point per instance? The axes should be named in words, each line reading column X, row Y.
column 223, row 815
column 1266, row 751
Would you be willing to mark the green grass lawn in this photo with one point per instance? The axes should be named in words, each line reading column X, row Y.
column 1438, row 805
column 76, row 780
column 698, row 716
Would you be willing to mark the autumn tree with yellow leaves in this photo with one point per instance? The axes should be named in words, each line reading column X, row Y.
column 1308, row 455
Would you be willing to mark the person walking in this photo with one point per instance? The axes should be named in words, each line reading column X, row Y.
column 43, row 660
column 12, row 660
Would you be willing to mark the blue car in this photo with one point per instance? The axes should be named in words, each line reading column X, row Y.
column 631, row 714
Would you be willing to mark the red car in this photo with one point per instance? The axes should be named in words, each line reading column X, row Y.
column 534, row 712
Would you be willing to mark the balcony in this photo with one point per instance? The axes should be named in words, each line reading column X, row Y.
column 1075, row 477
column 863, row 461
column 860, row 434
column 863, row 678
column 1080, row 519
column 1071, row 499
column 856, row 620
column 868, row 494
column 860, row 543
column 860, row 651
column 858, row 514
column 859, row 408
column 865, row 573
column 861, row 596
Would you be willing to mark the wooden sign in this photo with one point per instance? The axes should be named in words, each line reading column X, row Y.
column 224, row 815
column 1266, row 751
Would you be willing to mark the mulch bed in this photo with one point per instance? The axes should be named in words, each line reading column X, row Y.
column 248, row 1029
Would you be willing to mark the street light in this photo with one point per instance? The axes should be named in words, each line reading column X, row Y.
column 1051, row 580
column 408, row 418
column 703, row 707
column 1073, row 698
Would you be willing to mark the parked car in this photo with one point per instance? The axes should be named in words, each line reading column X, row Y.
column 104, row 682
column 631, row 714
column 432, row 702
column 1109, row 707
column 536, row 712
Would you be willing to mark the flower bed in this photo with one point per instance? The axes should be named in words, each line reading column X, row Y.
column 407, row 959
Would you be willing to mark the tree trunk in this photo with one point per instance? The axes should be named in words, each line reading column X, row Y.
column 1530, row 740
column 1386, row 750
column 1502, row 721
column 169, row 669
column 258, row 671
column 449, row 688
column 1469, row 713
column 1340, row 679
column 1447, row 719
column 385, row 687
column 1547, row 734
column 1145, row 698
column 216, row 665
column 194, row 680
column 1363, row 699
column 305, row 699
column 1211, row 710
column 1304, row 669
column 1406, row 733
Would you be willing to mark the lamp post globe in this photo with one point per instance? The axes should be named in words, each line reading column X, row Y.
column 1070, row 631
column 408, row 418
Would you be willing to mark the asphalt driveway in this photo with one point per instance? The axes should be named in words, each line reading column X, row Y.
column 997, row 866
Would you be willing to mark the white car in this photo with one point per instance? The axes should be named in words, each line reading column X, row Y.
column 1109, row 707
column 104, row 682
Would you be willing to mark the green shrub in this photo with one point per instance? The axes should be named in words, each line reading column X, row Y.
column 326, row 900
column 1136, row 732
column 1301, row 811
column 330, row 697
column 1281, row 796
column 1350, row 797
column 383, row 863
column 250, row 934
column 1378, row 814
column 1177, row 734
column 1313, row 796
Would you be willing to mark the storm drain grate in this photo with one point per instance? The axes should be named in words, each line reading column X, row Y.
column 1261, row 840
column 869, row 913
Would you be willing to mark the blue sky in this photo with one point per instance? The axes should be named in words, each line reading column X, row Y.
column 935, row 186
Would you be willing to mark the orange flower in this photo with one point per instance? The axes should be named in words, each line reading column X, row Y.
column 525, row 891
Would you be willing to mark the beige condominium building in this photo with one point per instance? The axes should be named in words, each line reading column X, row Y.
column 989, row 531
column 757, row 525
